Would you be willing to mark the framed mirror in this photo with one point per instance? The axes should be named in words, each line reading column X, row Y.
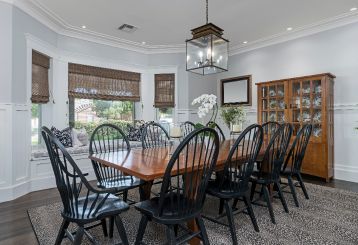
column 236, row 91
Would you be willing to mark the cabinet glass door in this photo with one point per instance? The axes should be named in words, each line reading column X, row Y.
column 296, row 106
column 273, row 102
column 316, row 107
column 306, row 106
column 264, row 103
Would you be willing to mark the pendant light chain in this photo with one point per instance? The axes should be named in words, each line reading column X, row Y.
column 207, row 11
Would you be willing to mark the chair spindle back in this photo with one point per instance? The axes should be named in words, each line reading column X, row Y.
column 154, row 135
column 187, row 174
column 241, row 159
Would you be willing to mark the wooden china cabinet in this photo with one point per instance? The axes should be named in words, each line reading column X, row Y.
column 299, row 101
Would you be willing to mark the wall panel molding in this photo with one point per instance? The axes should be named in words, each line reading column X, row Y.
column 6, row 144
column 346, row 172
column 345, row 107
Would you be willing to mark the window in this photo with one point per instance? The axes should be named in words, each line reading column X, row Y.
column 89, row 113
column 39, row 93
column 164, row 86
column 35, row 124
column 98, row 95
column 165, row 115
column 164, row 99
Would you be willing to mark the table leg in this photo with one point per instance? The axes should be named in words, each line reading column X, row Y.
column 144, row 190
column 192, row 225
column 191, row 178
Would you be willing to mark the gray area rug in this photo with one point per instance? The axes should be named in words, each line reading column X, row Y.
column 330, row 216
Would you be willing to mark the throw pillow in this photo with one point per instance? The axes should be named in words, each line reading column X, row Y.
column 79, row 137
column 82, row 136
column 64, row 136
column 75, row 141
column 134, row 134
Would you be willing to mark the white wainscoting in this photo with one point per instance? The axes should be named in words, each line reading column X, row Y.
column 5, row 145
column 42, row 175
column 19, row 175
column 346, row 142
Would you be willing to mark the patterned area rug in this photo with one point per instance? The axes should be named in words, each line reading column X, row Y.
column 330, row 216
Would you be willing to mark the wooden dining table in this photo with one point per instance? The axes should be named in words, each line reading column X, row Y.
column 150, row 164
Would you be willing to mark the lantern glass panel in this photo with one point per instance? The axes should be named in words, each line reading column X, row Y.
column 207, row 54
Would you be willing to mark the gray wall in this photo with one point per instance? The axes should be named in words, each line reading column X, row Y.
column 182, row 79
column 108, row 53
column 334, row 51
column 5, row 52
column 22, row 24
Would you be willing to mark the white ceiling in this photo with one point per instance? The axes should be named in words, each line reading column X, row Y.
column 168, row 22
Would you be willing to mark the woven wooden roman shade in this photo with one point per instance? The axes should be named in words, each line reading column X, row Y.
column 89, row 82
column 39, row 87
column 164, row 90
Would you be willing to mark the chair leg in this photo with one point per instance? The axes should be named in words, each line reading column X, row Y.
column 204, row 234
column 251, row 213
column 121, row 230
column 293, row 190
column 141, row 230
column 176, row 229
column 79, row 235
column 234, row 204
column 303, row 187
column 104, row 227
column 269, row 205
column 282, row 197
column 221, row 207
column 125, row 196
column 170, row 235
column 230, row 218
column 253, row 188
column 61, row 232
column 111, row 227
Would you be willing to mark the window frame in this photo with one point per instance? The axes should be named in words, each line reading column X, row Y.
column 39, row 124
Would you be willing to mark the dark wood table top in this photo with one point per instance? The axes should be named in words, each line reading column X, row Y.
column 150, row 164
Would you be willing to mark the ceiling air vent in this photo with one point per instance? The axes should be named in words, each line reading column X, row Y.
column 127, row 28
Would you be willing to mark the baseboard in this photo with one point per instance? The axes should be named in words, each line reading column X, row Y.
column 346, row 173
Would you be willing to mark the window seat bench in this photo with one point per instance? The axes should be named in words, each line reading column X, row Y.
column 41, row 153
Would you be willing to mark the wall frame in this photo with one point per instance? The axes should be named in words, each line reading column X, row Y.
column 236, row 91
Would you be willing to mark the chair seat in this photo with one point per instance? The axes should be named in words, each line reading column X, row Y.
column 122, row 183
column 169, row 216
column 226, row 190
column 112, row 206
column 262, row 178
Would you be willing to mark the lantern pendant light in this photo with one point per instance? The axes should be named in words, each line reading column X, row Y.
column 207, row 51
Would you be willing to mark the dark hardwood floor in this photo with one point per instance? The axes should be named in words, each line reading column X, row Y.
column 15, row 227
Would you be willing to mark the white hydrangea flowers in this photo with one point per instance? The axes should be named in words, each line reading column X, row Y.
column 207, row 102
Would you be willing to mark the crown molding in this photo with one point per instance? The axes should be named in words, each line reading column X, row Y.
column 60, row 26
column 7, row 1
column 324, row 25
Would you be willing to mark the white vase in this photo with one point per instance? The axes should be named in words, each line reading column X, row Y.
column 237, row 127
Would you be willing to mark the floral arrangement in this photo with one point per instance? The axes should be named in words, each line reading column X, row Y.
column 207, row 103
column 232, row 115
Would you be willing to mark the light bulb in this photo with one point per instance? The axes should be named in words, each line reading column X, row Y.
column 208, row 53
